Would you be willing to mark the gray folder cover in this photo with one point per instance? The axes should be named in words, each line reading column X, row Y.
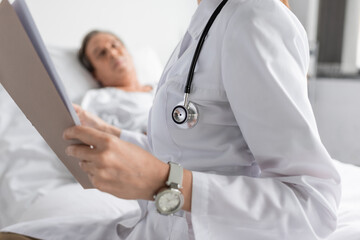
column 28, row 75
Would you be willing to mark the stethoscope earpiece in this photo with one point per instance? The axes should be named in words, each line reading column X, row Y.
column 185, row 114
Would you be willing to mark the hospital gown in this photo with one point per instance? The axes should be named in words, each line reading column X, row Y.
column 125, row 110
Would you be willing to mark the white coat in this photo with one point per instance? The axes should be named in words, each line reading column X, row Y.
column 260, row 170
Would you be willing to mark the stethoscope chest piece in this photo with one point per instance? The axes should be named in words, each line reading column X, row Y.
column 185, row 115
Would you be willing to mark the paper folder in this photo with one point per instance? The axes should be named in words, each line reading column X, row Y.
column 28, row 75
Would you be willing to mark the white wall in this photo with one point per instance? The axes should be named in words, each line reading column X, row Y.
column 156, row 23
column 307, row 12
column 337, row 112
column 351, row 42
column 358, row 51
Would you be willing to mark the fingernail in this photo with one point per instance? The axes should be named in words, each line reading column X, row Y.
column 64, row 135
column 68, row 150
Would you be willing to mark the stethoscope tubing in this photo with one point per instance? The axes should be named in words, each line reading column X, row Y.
column 186, row 114
column 200, row 45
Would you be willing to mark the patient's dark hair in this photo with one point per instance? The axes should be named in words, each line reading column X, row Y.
column 84, row 60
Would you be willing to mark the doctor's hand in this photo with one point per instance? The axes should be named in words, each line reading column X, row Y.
column 93, row 121
column 115, row 166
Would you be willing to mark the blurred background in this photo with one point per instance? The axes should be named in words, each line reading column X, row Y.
column 333, row 28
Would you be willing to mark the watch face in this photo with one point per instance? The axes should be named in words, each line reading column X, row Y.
column 169, row 201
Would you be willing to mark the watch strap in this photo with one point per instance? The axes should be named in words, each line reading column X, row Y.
column 175, row 176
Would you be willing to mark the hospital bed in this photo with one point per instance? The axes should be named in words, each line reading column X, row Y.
column 34, row 184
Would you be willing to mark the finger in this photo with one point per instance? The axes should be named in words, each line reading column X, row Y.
column 76, row 107
column 88, row 167
column 91, row 173
column 80, row 112
column 91, row 177
column 87, row 135
column 80, row 151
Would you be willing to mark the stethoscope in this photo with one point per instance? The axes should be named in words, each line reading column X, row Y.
column 185, row 114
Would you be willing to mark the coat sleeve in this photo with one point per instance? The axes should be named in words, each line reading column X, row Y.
column 136, row 138
column 264, row 64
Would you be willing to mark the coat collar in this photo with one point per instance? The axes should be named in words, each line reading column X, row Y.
column 201, row 17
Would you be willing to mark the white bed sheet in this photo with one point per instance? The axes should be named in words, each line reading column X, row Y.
column 23, row 153
column 34, row 184
column 349, row 209
column 31, row 176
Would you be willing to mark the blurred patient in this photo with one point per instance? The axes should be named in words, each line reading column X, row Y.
column 105, row 56
column 123, row 101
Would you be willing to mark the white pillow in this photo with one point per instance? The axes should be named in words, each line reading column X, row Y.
column 77, row 80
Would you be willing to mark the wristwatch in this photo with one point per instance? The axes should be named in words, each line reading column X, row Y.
column 170, row 200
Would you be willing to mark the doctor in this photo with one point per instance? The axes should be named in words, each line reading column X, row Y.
column 236, row 155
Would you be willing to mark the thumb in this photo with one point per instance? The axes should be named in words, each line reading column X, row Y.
column 77, row 108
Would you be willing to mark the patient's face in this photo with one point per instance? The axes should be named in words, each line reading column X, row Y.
column 110, row 59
